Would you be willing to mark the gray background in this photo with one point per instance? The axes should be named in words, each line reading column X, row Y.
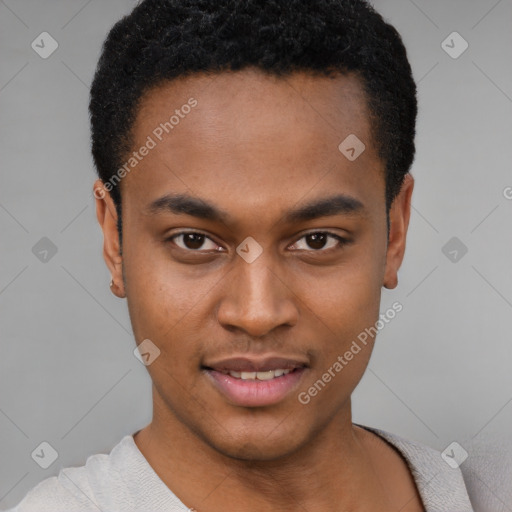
column 441, row 370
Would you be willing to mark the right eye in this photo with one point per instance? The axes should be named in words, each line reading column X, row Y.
column 192, row 241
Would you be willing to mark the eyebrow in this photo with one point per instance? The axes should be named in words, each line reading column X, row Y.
column 184, row 204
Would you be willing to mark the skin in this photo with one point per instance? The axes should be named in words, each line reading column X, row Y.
column 256, row 147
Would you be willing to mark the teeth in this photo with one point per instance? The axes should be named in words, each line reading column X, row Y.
column 268, row 375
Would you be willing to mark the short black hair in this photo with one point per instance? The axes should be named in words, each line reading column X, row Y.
column 165, row 39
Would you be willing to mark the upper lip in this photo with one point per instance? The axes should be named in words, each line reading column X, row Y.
column 253, row 364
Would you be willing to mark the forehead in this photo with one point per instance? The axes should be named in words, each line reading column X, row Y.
column 329, row 105
column 250, row 135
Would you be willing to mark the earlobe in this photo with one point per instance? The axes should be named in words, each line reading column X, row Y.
column 118, row 291
column 392, row 282
column 106, row 214
column 399, row 216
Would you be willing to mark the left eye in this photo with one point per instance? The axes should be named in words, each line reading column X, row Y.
column 319, row 239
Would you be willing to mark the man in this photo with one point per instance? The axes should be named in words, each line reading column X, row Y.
column 254, row 197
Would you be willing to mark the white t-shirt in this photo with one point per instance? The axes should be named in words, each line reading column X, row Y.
column 123, row 481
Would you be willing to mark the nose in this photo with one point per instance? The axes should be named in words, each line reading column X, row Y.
column 257, row 299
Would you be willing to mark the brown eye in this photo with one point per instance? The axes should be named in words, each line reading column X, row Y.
column 319, row 240
column 193, row 241
column 316, row 240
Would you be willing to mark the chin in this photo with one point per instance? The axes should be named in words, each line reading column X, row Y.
column 257, row 445
column 256, row 452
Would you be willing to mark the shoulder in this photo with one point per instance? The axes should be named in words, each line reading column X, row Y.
column 488, row 471
column 437, row 476
column 77, row 488
column 68, row 492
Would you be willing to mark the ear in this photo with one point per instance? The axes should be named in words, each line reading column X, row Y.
column 399, row 215
column 107, row 217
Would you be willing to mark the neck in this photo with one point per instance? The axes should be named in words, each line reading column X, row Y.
column 330, row 472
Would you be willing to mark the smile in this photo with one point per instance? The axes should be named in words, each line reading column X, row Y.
column 265, row 375
column 256, row 389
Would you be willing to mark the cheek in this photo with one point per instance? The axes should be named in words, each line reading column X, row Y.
column 161, row 297
column 342, row 306
column 346, row 298
column 165, row 307
column 342, row 313
column 358, row 300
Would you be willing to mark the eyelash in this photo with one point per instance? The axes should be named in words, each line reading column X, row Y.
column 341, row 241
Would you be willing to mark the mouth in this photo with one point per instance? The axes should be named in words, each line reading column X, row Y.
column 251, row 383
column 264, row 375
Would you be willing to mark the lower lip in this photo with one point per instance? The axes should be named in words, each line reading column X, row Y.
column 255, row 393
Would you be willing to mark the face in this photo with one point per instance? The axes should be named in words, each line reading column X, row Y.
column 251, row 243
